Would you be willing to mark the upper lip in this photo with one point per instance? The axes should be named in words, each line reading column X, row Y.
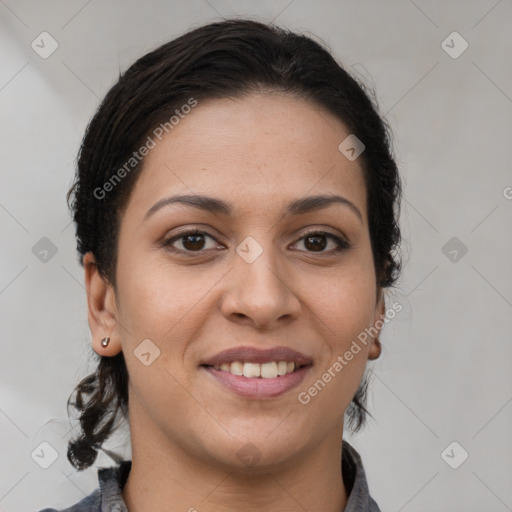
column 255, row 355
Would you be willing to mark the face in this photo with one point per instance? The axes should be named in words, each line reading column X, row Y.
column 254, row 275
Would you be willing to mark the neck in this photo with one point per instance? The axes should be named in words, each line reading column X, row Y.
column 164, row 473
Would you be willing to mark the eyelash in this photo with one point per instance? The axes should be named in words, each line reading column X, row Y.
column 341, row 244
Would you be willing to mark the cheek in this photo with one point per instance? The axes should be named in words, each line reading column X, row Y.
column 162, row 302
column 149, row 289
column 345, row 301
column 343, row 311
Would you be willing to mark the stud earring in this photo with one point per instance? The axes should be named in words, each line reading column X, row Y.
column 105, row 342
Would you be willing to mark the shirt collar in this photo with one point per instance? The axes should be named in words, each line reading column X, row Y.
column 112, row 481
column 356, row 485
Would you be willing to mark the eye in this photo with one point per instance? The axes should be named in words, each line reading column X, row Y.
column 194, row 241
column 191, row 241
column 316, row 241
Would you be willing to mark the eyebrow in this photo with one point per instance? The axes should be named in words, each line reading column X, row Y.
column 217, row 206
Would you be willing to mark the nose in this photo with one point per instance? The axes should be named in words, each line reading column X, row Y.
column 260, row 293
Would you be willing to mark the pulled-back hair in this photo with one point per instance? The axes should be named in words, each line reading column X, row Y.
column 228, row 59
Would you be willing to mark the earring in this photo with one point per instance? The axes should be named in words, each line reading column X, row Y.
column 105, row 342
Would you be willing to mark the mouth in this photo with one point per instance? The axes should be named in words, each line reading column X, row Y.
column 257, row 387
column 268, row 370
column 258, row 374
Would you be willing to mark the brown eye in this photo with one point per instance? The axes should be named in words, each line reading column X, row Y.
column 195, row 241
column 317, row 241
column 191, row 241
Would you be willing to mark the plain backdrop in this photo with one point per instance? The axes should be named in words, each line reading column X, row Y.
column 445, row 374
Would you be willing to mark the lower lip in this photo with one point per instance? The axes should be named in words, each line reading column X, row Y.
column 258, row 387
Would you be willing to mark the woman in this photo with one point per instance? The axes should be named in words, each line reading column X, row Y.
column 236, row 207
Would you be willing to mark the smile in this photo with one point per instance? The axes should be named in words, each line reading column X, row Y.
column 255, row 385
column 269, row 370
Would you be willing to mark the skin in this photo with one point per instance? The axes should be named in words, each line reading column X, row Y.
column 258, row 154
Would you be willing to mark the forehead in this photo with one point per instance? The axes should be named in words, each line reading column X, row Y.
column 261, row 150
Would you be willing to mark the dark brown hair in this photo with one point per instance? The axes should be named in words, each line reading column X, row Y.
column 225, row 59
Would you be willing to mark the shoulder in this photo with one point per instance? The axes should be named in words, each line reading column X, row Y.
column 106, row 496
column 91, row 503
column 356, row 484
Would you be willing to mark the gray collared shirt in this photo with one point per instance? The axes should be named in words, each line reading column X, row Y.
column 108, row 497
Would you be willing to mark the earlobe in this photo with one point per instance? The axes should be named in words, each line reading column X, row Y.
column 375, row 349
column 380, row 313
column 102, row 312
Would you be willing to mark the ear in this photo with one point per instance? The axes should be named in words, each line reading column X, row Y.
column 378, row 322
column 102, row 310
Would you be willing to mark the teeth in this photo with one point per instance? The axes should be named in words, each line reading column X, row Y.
column 281, row 367
column 254, row 370
column 269, row 370
column 236, row 368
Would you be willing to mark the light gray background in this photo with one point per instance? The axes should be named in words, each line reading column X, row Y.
column 445, row 372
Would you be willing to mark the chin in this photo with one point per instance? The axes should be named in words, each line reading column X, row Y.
column 254, row 453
